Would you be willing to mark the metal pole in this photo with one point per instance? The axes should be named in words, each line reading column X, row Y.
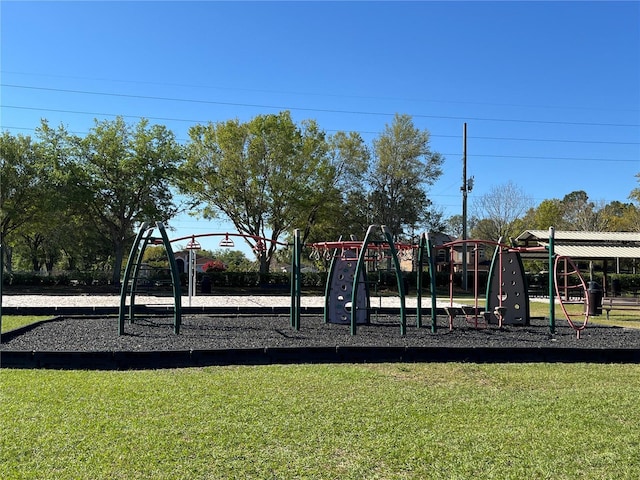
column 396, row 262
column 1, row 282
column 296, row 285
column 125, row 280
column 552, row 304
column 432, row 279
column 175, row 279
column 421, row 248
column 464, row 207
column 190, row 287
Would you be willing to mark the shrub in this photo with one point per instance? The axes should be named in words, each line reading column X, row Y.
column 214, row 266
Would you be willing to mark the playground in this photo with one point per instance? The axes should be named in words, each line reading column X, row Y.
column 250, row 339
column 345, row 326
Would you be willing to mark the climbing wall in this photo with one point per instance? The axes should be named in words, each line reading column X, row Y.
column 512, row 289
column 338, row 302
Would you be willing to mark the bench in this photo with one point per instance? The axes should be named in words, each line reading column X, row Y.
column 609, row 304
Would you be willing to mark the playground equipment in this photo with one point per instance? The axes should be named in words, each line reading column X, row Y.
column 506, row 299
column 132, row 269
column 193, row 246
column 226, row 242
column 347, row 296
column 565, row 275
column 506, row 296
column 339, row 288
column 347, row 293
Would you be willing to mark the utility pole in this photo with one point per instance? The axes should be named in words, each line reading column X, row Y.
column 464, row 207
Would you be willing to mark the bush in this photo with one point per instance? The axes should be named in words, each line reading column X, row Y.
column 628, row 282
column 214, row 266
column 314, row 280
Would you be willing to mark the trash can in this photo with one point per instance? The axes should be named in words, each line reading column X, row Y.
column 594, row 291
column 205, row 284
column 616, row 287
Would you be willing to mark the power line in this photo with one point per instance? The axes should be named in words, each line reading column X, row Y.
column 553, row 140
column 185, row 120
column 56, row 110
column 530, row 157
column 321, row 110
column 525, row 157
column 316, row 94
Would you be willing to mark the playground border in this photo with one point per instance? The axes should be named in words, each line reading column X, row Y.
column 127, row 360
column 164, row 359
column 138, row 360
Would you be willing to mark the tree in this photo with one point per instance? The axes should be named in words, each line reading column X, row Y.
column 622, row 217
column 345, row 211
column 267, row 175
column 453, row 225
column 634, row 196
column 549, row 213
column 580, row 214
column 235, row 260
column 635, row 193
column 404, row 166
column 41, row 238
column 23, row 186
column 499, row 212
column 123, row 176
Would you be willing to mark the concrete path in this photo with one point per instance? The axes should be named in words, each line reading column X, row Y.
column 197, row 301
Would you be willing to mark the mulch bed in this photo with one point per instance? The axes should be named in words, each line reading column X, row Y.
column 271, row 339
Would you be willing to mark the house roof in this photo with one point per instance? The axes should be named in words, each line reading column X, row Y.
column 584, row 245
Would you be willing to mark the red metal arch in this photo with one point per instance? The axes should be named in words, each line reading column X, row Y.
column 258, row 239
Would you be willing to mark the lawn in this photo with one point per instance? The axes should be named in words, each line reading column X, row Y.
column 11, row 322
column 620, row 318
column 384, row 421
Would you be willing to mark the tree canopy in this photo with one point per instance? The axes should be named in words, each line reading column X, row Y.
column 75, row 201
column 404, row 166
column 113, row 179
column 267, row 175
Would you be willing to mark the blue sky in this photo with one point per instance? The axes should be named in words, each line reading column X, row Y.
column 550, row 91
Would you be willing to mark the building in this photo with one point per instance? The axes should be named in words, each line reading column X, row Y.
column 612, row 252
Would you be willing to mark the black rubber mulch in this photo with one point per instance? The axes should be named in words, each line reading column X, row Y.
column 250, row 340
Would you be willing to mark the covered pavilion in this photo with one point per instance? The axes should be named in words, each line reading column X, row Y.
column 604, row 247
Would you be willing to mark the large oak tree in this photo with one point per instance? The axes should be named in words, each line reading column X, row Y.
column 123, row 176
column 267, row 176
column 22, row 188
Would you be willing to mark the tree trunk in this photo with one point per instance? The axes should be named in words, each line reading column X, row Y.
column 117, row 263
column 264, row 264
column 8, row 258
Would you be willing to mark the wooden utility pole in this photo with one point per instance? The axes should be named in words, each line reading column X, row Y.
column 464, row 206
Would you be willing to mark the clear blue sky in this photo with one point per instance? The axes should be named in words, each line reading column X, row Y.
column 550, row 91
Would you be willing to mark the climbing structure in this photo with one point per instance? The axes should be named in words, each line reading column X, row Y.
column 507, row 293
column 348, row 272
column 132, row 271
column 339, row 289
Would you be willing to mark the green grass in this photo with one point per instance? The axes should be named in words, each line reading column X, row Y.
column 11, row 322
column 619, row 318
column 387, row 421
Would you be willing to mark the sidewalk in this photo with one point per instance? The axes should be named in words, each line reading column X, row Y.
column 52, row 301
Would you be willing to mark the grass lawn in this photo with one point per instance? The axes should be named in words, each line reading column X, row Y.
column 385, row 421
column 620, row 318
column 11, row 322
